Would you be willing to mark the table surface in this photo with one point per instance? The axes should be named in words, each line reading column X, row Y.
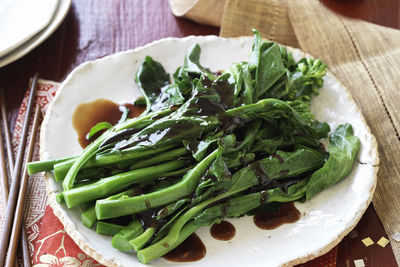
column 94, row 29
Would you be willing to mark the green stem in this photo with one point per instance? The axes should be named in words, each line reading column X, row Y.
column 61, row 169
column 60, row 197
column 140, row 241
column 169, row 155
column 116, row 208
column 178, row 172
column 89, row 152
column 116, row 183
column 163, row 246
column 241, row 181
column 250, row 136
column 93, row 173
column 105, row 228
column 46, row 165
column 88, row 216
column 265, row 105
column 91, row 149
column 239, row 206
column 121, row 239
column 171, row 208
column 145, row 255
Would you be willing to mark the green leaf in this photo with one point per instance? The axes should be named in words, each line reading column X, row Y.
column 270, row 68
column 171, row 208
column 342, row 150
column 236, row 77
column 169, row 96
column 220, row 169
column 267, row 60
column 242, row 205
column 235, row 207
column 192, row 61
column 151, row 77
column 200, row 149
column 248, row 84
column 321, row 128
column 97, row 128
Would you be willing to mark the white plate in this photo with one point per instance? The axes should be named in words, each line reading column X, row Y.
column 326, row 218
column 22, row 19
column 18, row 51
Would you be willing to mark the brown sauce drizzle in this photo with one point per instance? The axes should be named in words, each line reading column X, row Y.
column 223, row 231
column 260, row 173
column 87, row 115
column 273, row 219
column 281, row 160
column 263, row 197
column 192, row 249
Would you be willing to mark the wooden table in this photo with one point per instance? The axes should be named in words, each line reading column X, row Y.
column 94, row 29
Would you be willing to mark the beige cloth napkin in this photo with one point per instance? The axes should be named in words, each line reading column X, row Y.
column 365, row 57
column 202, row 11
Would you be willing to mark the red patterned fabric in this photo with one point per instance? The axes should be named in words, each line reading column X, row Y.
column 49, row 244
column 52, row 246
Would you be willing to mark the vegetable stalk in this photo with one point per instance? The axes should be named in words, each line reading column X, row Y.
column 117, row 183
column 116, row 208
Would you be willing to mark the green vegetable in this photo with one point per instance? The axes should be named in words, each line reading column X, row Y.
column 106, row 159
column 208, row 146
column 267, row 60
column 97, row 128
column 88, row 216
column 91, row 149
column 169, row 155
column 60, row 198
column 120, row 241
column 342, row 150
column 115, row 208
column 140, row 241
column 153, row 81
column 116, row 183
column 245, row 178
column 45, row 165
column 105, row 228
column 146, row 255
column 240, row 206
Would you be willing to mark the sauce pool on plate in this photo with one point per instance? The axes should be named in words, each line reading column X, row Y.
column 192, row 249
column 287, row 213
column 87, row 115
column 223, row 231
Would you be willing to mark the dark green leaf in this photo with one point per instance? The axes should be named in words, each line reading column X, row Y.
column 151, row 77
column 342, row 150
column 267, row 60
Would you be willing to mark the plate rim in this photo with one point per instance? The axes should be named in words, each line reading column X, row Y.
column 79, row 240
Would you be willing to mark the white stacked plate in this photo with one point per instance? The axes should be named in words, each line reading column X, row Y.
column 24, row 24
